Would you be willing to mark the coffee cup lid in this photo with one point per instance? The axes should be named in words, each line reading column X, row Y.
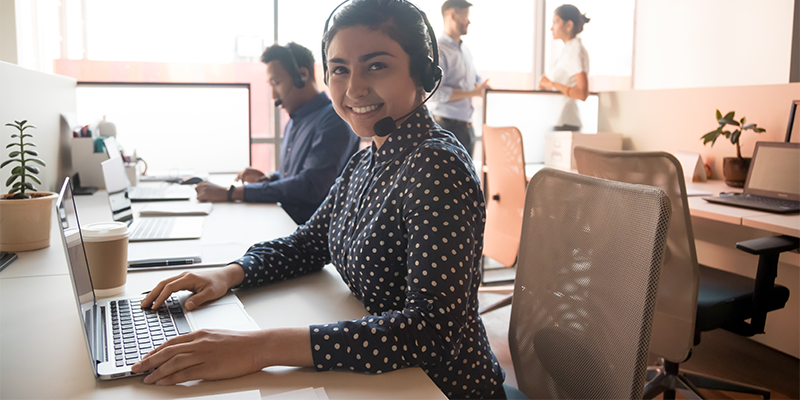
column 104, row 231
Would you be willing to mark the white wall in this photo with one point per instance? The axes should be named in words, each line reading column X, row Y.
column 39, row 98
column 690, row 43
column 8, row 32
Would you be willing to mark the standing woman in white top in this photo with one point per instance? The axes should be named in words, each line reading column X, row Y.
column 570, row 72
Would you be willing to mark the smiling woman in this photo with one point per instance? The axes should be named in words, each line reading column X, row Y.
column 403, row 225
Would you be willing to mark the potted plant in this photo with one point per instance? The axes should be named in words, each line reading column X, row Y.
column 24, row 212
column 734, row 168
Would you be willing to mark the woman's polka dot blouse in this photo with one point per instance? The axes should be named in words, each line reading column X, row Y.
column 404, row 227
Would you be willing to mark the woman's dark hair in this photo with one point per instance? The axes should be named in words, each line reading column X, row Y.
column 568, row 12
column 398, row 19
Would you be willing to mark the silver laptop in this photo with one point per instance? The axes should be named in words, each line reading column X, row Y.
column 115, row 177
column 773, row 181
column 142, row 229
column 117, row 332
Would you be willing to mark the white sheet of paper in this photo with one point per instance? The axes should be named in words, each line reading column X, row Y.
column 246, row 395
column 300, row 394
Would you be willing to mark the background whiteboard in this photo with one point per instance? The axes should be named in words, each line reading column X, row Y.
column 535, row 113
column 202, row 127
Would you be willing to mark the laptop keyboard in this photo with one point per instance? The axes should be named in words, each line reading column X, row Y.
column 137, row 332
column 153, row 228
column 148, row 192
column 755, row 200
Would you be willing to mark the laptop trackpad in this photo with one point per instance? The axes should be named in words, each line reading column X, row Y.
column 223, row 316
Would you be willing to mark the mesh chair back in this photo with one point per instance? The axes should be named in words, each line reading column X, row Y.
column 673, row 327
column 505, row 182
column 586, row 286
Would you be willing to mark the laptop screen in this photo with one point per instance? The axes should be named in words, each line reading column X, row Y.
column 775, row 171
column 117, row 185
column 76, row 258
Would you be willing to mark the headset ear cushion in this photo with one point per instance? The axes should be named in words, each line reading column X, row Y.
column 430, row 75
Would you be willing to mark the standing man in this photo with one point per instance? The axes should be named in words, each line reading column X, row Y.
column 317, row 143
column 452, row 104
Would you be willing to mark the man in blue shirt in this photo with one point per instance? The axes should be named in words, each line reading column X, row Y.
column 451, row 106
column 317, row 143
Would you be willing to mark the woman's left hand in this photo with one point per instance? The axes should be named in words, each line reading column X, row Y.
column 545, row 83
column 204, row 354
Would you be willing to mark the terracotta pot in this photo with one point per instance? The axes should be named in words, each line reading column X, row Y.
column 25, row 224
column 735, row 170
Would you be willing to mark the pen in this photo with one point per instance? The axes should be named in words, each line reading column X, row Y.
column 162, row 263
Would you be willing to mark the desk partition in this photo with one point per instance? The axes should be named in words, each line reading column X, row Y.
column 535, row 113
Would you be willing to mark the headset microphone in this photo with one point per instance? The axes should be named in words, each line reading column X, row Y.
column 387, row 125
column 278, row 102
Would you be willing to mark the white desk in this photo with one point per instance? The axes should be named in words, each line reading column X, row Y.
column 38, row 322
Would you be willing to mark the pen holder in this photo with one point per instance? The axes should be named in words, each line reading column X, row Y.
column 133, row 173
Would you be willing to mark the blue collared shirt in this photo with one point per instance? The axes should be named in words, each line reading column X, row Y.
column 459, row 73
column 317, row 144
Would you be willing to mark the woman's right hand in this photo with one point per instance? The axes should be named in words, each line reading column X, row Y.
column 206, row 285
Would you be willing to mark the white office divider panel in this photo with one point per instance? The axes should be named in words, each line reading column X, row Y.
column 39, row 98
column 201, row 127
column 535, row 113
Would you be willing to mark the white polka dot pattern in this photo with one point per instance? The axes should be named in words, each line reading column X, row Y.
column 404, row 227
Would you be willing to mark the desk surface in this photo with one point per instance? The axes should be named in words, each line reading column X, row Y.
column 45, row 326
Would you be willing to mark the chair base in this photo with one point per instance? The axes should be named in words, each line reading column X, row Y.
column 668, row 380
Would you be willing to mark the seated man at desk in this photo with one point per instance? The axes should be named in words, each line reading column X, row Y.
column 403, row 226
column 316, row 143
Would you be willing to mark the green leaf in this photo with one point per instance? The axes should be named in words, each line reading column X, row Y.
column 29, row 126
column 26, row 135
column 735, row 136
column 11, row 125
column 18, row 184
column 32, row 152
column 729, row 115
column 12, row 178
column 21, row 122
column 710, row 136
column 18, row 170
column 6, row 162
column 14, row 190
column 13, row 154
column 759, row 130
column 728, row 121
column 727, row 134
column 741, row 121
column 32, row 168
column 37, row 160
column 719, row 115
column 13, row 144
column 29, row 185
column 748, row 126
column 35, row 179
column 14, row 135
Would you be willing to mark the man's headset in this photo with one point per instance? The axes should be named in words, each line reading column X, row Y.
column 430, row 71
column 293, row 70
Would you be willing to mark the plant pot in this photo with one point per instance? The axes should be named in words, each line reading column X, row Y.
column 735, row 170
column 25, row 223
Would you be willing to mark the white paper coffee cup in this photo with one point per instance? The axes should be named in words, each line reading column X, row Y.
column 106, row 245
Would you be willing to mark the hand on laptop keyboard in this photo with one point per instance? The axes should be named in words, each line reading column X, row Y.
column 207, row 286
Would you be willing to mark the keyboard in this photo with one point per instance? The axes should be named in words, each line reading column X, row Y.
column 153, row 228
column 762, row 203
column 137, row 332
column 149, row 192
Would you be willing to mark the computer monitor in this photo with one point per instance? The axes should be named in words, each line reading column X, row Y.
column 535, row 113
column 793, row 130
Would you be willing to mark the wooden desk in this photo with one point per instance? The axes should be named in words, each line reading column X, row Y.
column 42, row 345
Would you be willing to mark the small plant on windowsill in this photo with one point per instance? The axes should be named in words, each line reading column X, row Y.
column 24, row 212
column 734, row 168
column 26, row 157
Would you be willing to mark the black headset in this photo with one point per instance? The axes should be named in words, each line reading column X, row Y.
column 298, row 79
column 430, row 71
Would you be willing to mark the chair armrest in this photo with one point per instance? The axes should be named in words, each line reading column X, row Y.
column 773, row 244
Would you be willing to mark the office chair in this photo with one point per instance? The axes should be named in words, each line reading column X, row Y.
column 504, row 186
column 586, row 287
column 692, row 298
